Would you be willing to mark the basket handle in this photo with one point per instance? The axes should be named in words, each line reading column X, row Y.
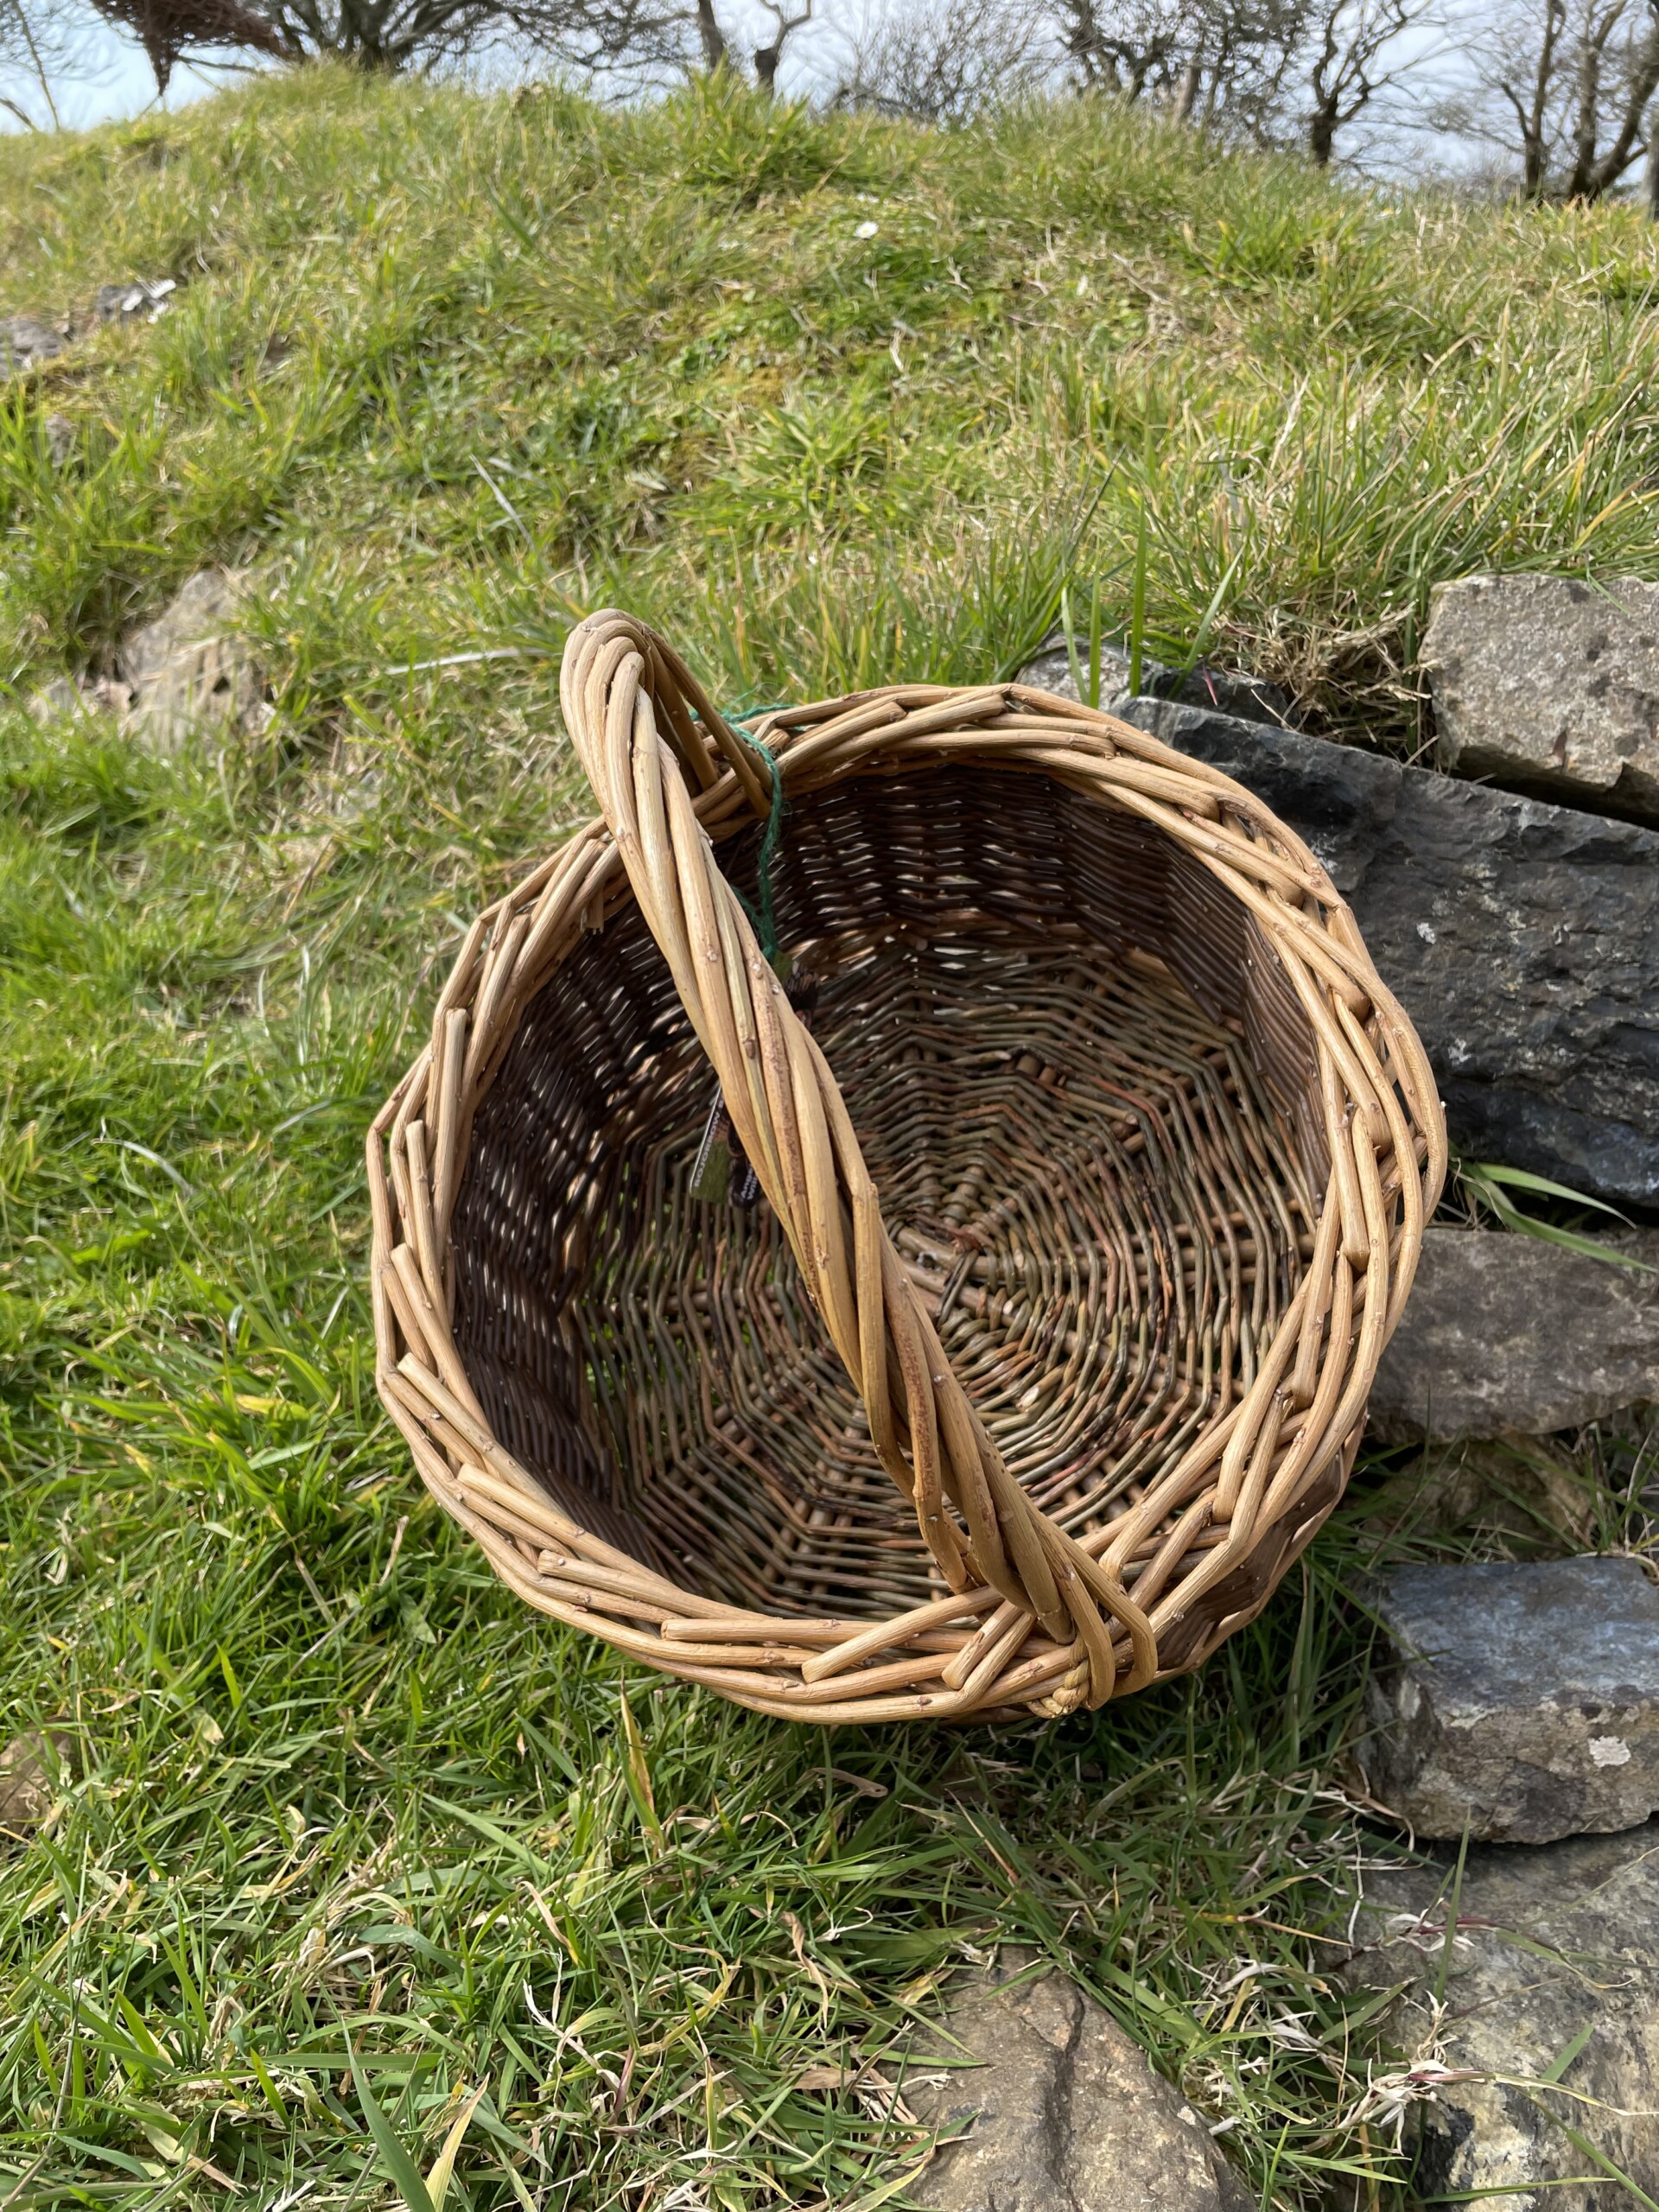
column 647, row 734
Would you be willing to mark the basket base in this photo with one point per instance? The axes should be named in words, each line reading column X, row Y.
column 1081, row 1173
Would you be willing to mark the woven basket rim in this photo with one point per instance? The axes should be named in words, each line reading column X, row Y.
column 1034, row 1619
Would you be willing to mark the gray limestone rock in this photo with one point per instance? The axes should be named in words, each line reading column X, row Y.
column 58, row 699
column 1067, row 2115
column 28, row 1766
column 140, row 297
column 63, row 697
column 1520, row 1702
column 25, row 339
column 1554, row 1950
column 1228, row 690
column 1550, row 684
column 1522, row 938
column 191, row 676
column 1504, row 1333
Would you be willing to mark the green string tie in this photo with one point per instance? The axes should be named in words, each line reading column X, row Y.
column 762, row 915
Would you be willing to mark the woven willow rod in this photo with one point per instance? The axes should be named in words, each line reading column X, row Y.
column 1045, row 1348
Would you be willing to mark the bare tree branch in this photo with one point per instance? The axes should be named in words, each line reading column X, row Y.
column 940, row 61
column 17, row 32
column 1356, row 51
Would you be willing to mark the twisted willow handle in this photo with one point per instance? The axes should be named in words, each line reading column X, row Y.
column 647, row 734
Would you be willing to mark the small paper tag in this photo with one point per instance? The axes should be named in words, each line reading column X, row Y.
column 711, row 1170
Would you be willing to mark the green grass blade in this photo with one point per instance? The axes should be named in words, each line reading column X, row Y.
column 401, row 2168
column 1518, row 1178
column 1138, row 603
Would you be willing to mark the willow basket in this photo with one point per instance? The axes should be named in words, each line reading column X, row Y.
column 1094, row 1165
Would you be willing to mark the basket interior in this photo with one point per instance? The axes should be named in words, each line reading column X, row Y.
column 1086, row 1096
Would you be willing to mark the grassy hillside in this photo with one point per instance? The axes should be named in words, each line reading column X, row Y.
column 455, row 365
column 830, row 401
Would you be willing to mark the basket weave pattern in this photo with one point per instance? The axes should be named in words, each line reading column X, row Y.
column 1047, row 1349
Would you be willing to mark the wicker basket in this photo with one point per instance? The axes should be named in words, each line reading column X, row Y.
column 1046, row 1349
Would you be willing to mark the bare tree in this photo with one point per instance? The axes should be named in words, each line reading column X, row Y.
column 1131, row 47
column 1566, row 85
column 655, row 41
column 388, row 34
column 1564, row 88
column 1277, row 72
column 1251, row 61
column 166, row 29
column 767, row 58
column 1524, row 81
column 1616, row 78
column 940, row 61
column 1194, row 56
column 627, row 41
column 1354, row 51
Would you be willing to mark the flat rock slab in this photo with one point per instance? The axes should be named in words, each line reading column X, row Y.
column 1551, row 683
column 1520, row 1702
column 1066, row 2113
column 1550, row 1945
column 1505, row 1333
column 191, row 677
column 1522, row 938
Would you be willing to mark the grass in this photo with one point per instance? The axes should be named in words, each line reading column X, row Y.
column 343, row 1836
